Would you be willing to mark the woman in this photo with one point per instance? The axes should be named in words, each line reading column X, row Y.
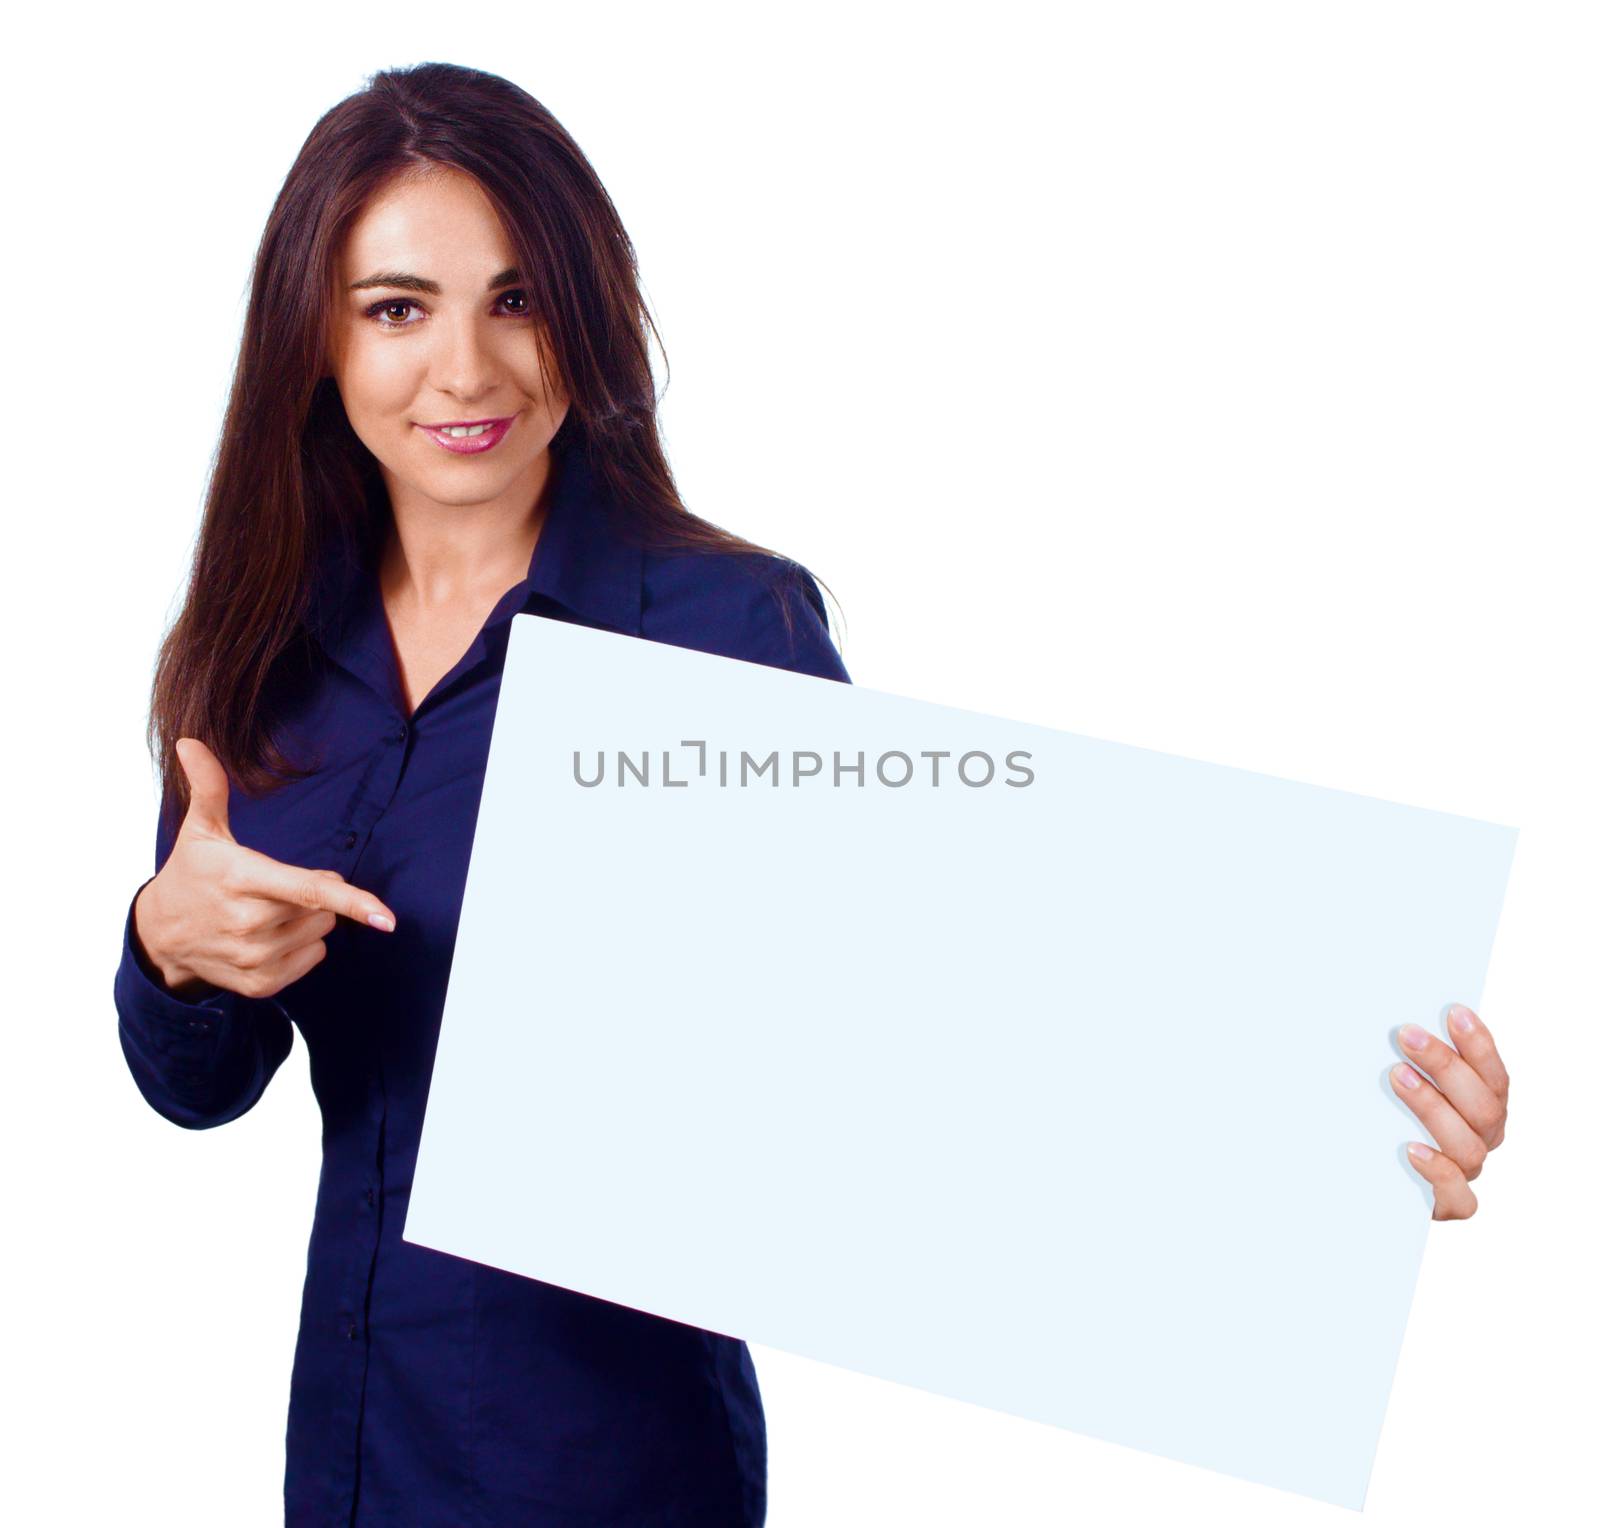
column 443, row 414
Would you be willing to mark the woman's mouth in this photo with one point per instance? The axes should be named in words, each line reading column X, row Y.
column 467, row 437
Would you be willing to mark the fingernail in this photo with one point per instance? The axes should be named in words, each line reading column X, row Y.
column 1412, row 1036
column 1419, row 1151
column 377, row 920
column 1407, row 1078
column 1460, row 1019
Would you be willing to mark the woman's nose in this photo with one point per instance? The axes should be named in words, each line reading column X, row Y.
column 464, row 366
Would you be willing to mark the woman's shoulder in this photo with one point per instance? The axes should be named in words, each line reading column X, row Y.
column 749, row 605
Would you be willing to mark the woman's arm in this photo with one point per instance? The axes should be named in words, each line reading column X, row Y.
column 200, row 1061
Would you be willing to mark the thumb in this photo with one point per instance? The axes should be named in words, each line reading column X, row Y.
column 208, row 788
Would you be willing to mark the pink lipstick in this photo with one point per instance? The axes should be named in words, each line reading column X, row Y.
column 467, row 437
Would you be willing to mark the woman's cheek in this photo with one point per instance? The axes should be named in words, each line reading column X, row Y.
column 394, row 377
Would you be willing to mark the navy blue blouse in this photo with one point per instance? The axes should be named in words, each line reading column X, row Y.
column 428, row 1389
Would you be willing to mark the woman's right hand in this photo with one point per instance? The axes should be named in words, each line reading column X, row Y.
column 222, row 915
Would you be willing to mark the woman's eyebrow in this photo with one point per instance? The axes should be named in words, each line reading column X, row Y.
column 409, row 283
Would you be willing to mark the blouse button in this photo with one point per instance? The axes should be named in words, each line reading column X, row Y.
column 349, row 840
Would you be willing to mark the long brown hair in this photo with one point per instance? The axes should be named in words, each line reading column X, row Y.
column 290, row 475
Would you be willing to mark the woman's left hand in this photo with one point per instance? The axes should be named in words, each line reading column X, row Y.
column 1463, row 1106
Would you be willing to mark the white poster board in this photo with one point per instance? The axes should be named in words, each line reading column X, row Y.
column 1068, row 1098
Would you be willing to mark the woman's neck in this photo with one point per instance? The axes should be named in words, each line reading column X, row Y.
column 438, row 555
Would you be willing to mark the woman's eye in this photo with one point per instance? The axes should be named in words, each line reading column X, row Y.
column 520, row 298
column 384, row 312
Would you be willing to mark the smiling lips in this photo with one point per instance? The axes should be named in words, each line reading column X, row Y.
column 467, row 437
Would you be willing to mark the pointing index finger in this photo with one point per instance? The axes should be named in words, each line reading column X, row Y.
column 313, row 889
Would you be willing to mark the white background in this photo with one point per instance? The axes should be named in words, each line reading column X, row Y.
column 1219, row 379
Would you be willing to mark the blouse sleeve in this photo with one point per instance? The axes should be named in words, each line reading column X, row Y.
column 202, row 1062
column 787, row 625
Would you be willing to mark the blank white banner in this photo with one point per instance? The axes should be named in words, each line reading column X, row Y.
column 1035, row 1070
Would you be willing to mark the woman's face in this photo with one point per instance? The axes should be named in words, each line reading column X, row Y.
column 432, row 328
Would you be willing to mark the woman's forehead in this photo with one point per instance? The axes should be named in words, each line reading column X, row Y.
column 441, row 226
